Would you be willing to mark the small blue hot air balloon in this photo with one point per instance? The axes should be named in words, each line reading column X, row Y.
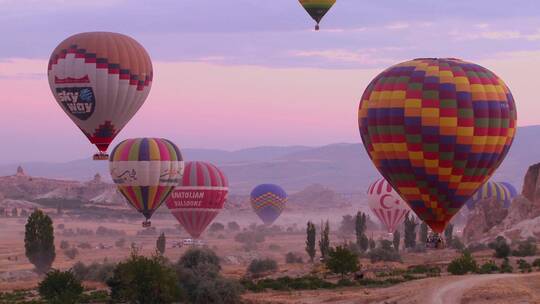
column 268, row 201
column 502, row 192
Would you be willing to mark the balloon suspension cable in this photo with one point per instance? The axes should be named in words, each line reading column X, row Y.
column 101, row 156
column 317, row 27
column 146, row 224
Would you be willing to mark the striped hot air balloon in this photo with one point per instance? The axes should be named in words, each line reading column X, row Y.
column 501, row 192
column 386, row 204
column 100, row 80
column 199, row 198
column 437, row 129
column 146, row 170
column 268, row 201
column 317, row 9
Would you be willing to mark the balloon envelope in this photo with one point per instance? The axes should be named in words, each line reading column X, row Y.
column 100, row 80
column 501, row 192
column 386, row 204
column 199, row 197
column 437, row 129
column 268, row 201
column 146, row 170
column 317, row 8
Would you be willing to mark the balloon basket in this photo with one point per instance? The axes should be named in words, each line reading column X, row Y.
column 146, row 224
column 317, row 27
column 101, row 156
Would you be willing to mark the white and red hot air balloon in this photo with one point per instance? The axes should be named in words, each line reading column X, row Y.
column 198, row 199
column 386, row 204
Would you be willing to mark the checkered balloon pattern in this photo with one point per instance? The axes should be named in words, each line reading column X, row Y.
column 437, row 129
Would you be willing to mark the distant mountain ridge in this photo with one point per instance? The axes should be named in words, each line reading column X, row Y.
column 344, row 167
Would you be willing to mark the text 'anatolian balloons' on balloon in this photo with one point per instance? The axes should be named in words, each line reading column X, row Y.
column 317, row 9
column 268, row 201
column 502, row 193
column 145, row 171
column 199, row 197
column 437, row 129
column 100, row 80
column 386, row 204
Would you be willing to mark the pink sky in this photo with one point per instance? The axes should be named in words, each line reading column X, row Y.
column 205, row 105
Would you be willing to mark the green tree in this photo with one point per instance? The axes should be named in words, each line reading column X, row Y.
column 233, row 226
column 410, row 232
column 161, row 243
column 423, row 233
column 360, row 229
column 216, row 227
column 506, row 267
column 372, row 243
column 449, row 233
column 14, row 212
column 60, row 287
column 396, row 240
column 347, row 225
column 39, row 241
column 310, row 242
column 463, row 264
column 324, row 242
column 501, row 247
column 144, row 280
column 341, row 260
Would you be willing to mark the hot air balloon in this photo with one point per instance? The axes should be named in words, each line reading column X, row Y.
column 268, row 201
column 146, row 170
column 100, row 80
column 501, row 192
column 199, row 197
column 437, row 129
column 386, row 204
column 317, row 9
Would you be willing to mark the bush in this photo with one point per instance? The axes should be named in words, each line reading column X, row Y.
column 150, row 231
column 456, row 243
column 196, row 257
column 274, row 247
column 60, row 287
column 144, row 280
column 94, row 272
column 506, row 267
column 293, row 258
column 60, row 226
column 259, row 266
column 463, row 264
column 250, row 239
column 342, row 261
column 524, row 266
column 216, row 227
column 64, row 244
column 288, row 283
column 71, row 253
column 536, row 263
column 120, row 243
column 430, row 271
column 475, row 247
column 104, row 231
column 489, row 267
column 502, row 249
column 84, row 245
column 384, row 252
column 525, row 248
column 233, row 226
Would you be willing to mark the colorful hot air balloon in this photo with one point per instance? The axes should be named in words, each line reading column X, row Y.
column 146, row 170
column 386, row 204
column 437, row 129
column 317, row 9
column 199, row 197
column 100, row 80
column 501, row 192
column 268, row 201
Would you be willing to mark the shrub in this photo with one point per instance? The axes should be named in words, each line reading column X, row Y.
column 536, row 263
column 292, row 258
column 233, row 226
column 506, row 267
column 216, row 227
column 384, row 252
column 259, row 266
column 64, row 244
column 463, row 264
column 525, row 248
column 524, row 266
column 150, row 231
column 274, row 247
column 104, row 231
column 456, row 243
column 94, row 272
column 196, row 257
column 60, row 226
column 342, row 261
column 144, row 280
column 474, row 247
column 120, row 243
column 502, row 249
column 71, row 253
column 431, row 271
column 84, row 245
column 60, row 287
column 250, row 239
column 489, row 267
column 288, row 283
column 161, row 243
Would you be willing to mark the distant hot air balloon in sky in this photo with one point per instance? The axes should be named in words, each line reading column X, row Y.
column 146, row 170
column 501, row 192
column 268, row 201
column 317, row 9
column 437, row 129
column 386, row 204
column 100, row 80
column 199, row 197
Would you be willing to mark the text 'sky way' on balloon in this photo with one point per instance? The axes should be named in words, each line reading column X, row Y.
column 437, row 129
column 317, row 9
column 268, row 201
column 199, row 197
column 387, row 205
column 100, row 80
column 502, row 193
column 146, row 170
